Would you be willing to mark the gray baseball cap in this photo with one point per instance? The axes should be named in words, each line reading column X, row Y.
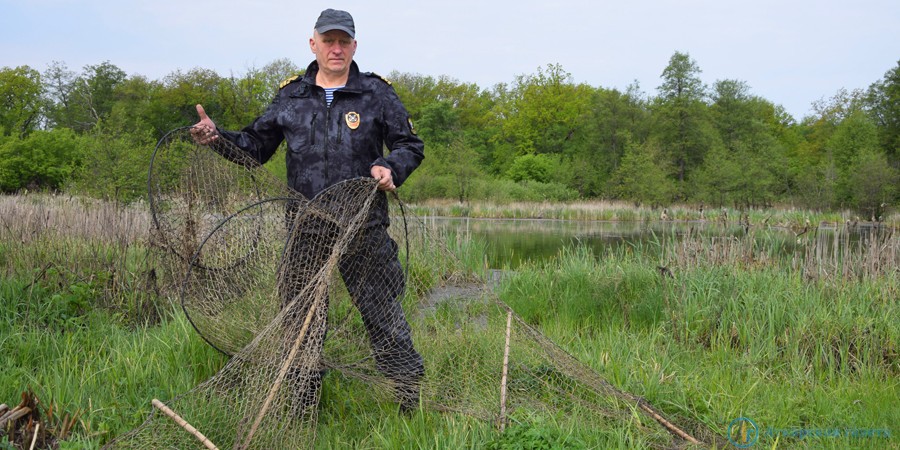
column 333, row 19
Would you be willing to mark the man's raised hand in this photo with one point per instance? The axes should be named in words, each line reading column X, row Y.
column 204, row 131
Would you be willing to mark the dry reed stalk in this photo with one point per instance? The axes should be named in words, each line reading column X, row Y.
column 37, row 216
column 37, row 428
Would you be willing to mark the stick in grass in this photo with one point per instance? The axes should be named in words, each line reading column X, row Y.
column 37, row 427
column 183, row 424
column 505, row 372
column 668, row 424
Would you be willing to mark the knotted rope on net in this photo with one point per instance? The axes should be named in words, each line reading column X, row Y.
column 291, row 287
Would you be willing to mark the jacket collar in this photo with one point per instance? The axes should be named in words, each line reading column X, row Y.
column 353, row 81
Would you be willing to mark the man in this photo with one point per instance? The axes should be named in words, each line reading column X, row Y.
column 337, row 121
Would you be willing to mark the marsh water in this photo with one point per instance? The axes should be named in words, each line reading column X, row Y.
column 511, row 242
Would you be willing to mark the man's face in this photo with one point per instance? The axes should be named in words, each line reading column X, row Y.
column 334, row 51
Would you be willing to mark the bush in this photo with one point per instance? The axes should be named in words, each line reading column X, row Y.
column 531, row 168
column 115, row 166
column 506, row 191
column 43, row 160
column 423, row 186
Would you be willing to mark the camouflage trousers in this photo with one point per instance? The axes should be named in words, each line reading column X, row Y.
column 373, row 275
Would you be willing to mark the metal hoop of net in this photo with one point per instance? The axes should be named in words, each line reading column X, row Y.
column 191, row 188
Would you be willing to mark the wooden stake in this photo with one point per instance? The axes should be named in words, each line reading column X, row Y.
column 183, row 424
column 281, row 374
column 505, row 372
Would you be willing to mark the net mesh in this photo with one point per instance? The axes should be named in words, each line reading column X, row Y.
column 291, row 288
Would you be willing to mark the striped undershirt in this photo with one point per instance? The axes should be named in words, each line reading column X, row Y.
column 329, row 94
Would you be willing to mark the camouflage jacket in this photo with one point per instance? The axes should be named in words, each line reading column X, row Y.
column 327, row 145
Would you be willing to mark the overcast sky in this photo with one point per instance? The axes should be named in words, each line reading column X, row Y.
column 789, row 52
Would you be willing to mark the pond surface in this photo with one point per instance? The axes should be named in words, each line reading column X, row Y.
column 510, row 242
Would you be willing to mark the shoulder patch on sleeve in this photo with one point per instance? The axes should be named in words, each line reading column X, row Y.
column 289, row 81
column 375, row 75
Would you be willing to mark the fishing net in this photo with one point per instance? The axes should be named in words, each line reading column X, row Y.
column 291, row 288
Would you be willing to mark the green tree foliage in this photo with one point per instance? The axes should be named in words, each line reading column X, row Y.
column 451, row 167
column 20, row 100
column 717, row 180
column 747, row 165
column 455, row 121
column 183, row 90
column 874, row 184
column 814, row 186
column 681, row 117
column 531, row 168
column 851, row 137
column 136, row 107
column 546, row 112
column 243, row 98
column 418, row 92
column 80, row 101
column 541, row 137
column 642, row 175
column 812, row 155
column 615, row 118
column 114, row 165
column 884, row 103
column 59, row 84
column 42, row 160
column 96, row 90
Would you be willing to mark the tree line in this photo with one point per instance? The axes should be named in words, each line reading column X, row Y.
column 540, row 137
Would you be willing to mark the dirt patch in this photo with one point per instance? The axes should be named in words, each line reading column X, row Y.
column 459, row 294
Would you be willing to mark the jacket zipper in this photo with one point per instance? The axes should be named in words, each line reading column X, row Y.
column 312, row 129
column 340, row 132
column 325, row 146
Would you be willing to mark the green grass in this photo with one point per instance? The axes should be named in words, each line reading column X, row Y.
column 725, row 337
column 97, row 369
column 761, row 343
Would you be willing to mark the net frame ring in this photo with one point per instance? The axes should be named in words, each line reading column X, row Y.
column 165, row 228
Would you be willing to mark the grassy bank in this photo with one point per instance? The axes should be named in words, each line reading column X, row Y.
column 719, row 342
column 706, row 329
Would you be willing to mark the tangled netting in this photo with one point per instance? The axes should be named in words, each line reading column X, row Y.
column 292, row 287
